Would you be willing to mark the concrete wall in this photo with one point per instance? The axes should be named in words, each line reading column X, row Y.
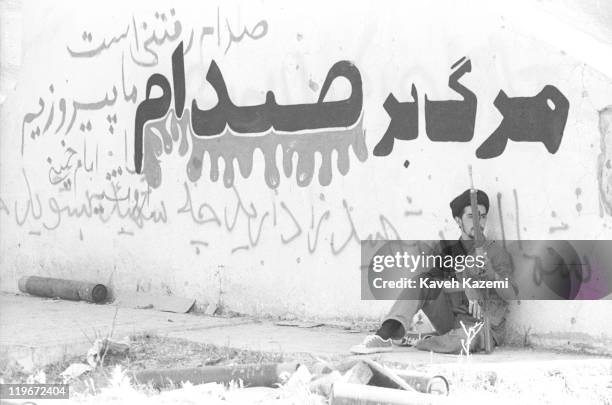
column 72, row 205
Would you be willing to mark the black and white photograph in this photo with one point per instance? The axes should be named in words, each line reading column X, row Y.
column 305, row 202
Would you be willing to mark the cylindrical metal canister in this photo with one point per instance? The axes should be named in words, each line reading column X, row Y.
column 66, row 289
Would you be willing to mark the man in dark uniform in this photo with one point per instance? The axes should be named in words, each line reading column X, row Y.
column 450, row 309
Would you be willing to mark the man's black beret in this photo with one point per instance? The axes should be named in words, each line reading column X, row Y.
column 463, row 200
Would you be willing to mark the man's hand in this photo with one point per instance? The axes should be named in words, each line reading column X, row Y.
column 487, row 270
column 481, row 251
column 475, row 309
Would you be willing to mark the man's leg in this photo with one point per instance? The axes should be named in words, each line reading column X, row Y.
column 439, row 311
column 399, row 317
column 451, row 333
column 397, row 321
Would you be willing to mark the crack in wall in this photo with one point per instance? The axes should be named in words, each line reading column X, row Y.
column 604, row 165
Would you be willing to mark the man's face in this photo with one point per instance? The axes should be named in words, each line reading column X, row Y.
column 466, row 222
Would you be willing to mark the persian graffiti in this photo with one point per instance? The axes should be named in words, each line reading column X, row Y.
column 404, row 123
column 76, row 106
column 133, row 208
column 540, row 118
column 145, row 35
column 337, row 125
column 308, row 229
column 452, row 120
column 106, row 150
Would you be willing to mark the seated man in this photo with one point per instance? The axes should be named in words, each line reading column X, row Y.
column 448, row 308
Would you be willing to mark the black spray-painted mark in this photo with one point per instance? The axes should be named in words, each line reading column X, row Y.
column 197, row 244
column 409, row 213
column 578, row 204
column 556, row 228
column 404, row 123
column 540, row 118
column 122, row 231
column 154, row 108
column 217, row 131
column 452, row 120
column 445, row 120
column 270, row 115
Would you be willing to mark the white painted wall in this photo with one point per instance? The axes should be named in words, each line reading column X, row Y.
column 518, row 49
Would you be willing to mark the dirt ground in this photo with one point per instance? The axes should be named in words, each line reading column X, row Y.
column 149, row 351
column 111, row 382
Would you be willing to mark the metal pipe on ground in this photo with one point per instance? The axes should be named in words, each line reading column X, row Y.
column 65, row 289
column 425, row 383
column 252, row 375
column 356, row 394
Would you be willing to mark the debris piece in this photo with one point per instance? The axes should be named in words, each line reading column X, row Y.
column 253, row 375
column 211, row 309
column 385, row 377
column 211, row 361
column 286, row 371
column 321, row 367
column 300, row 378
column 165, row 303
column 428, row 384
column 108, row 346
column 65, row 289
column 346, row 364
column 74, row 371
column 305, row 325
column 287, row 323
column 360, row 373
column 323, row 385
column 357, row 394
column 308, row 325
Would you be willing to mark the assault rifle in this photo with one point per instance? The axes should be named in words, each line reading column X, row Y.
column 479, row 241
